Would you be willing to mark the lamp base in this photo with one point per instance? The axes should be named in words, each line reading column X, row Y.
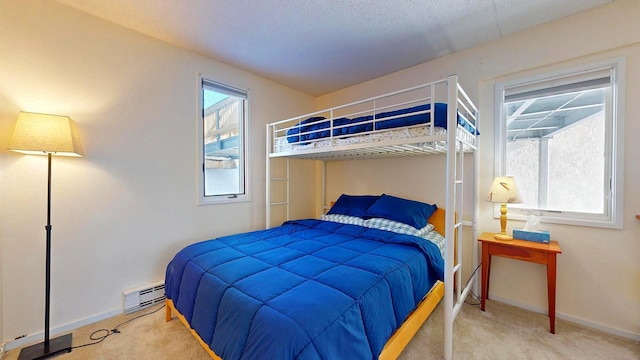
column 503, row 237
column 38, row 351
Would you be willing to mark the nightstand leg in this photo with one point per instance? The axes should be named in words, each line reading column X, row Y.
column 488, row 273
column 551, row 290
column 486, row 264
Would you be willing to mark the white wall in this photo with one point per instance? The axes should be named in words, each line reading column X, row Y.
column 122, row 211
column 598, row 271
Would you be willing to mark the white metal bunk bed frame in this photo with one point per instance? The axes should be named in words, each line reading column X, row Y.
column 455, row 148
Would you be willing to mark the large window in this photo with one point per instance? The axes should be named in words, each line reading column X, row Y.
column 560, row 136
column 223, row 143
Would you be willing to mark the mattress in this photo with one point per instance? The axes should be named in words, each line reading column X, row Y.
column 307, row 289
column 281, row 144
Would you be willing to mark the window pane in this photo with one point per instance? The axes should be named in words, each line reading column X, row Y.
column 576, row 167
column 561, row 135
column 522, row 163
column 556, row 146
column 223, row 140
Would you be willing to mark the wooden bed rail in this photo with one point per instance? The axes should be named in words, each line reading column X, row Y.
column 392, row 349
column 169, row 309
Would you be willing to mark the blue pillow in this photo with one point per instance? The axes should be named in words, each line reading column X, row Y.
column 353, row 205
column 408, row 212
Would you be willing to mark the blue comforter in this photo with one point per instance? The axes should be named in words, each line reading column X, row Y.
column 318, row 127
column 308, row 289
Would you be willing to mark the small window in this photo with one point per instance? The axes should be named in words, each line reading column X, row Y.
column 222, row 131
column 560, row 137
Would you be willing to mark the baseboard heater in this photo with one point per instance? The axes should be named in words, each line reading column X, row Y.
column 143, row 297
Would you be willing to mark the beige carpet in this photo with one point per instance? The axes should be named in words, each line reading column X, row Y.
column 502, row 332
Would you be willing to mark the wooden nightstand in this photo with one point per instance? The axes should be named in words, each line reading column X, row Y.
column 531, row 251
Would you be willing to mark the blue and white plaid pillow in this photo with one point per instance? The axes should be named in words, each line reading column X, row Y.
column 437, row 239
column 343, row 219
column 426, row 232
column 397, row 227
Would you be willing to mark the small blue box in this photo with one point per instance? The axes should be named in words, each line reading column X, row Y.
column 537, row 236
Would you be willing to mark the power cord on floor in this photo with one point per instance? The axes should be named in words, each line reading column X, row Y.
column 2, row 350
column 474, row 296
column 105, row 333
column 476, row 299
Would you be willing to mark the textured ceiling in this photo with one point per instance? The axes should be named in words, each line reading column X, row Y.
column 319, row 46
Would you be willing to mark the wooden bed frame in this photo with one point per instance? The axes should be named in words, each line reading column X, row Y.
column 398, row 341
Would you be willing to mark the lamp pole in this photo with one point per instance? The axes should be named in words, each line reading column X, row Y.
column 62, row 343
column 47, row 286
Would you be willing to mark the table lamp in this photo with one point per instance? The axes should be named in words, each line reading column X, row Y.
column 504, row 191
column 42, row 134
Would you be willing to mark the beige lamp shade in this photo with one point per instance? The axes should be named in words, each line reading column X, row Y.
column 504, row 190
column 41, row 134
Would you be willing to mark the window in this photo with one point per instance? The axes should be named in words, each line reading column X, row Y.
column 560, row 135
column 222, row 134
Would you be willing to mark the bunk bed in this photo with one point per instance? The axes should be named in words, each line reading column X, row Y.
column 433, row 118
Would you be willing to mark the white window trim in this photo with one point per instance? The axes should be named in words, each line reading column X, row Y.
column 220, row 199
column 615, row 207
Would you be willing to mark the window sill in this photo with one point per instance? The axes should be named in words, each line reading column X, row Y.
column 601, row 222
column 223, row 200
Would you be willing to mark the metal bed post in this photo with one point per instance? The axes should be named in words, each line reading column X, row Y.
column 324, row 188
column 452, row 110
column 460, row 208
column 288, row 191
column 268, row 179
column 473, row 283
column 476, row 210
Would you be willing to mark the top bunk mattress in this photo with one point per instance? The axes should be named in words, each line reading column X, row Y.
column 399, row 123
column 318, row 127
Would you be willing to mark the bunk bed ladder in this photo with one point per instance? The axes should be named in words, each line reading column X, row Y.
column 454, row 294
column 270, row 180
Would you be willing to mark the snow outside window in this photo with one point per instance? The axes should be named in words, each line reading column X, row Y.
column 560, row 136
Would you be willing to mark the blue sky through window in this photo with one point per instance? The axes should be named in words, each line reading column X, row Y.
column 212, row 97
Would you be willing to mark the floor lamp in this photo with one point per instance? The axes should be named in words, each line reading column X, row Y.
column 42, row 134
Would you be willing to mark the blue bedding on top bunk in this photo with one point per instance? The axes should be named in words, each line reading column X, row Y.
column 308, row 289
column 313, row 127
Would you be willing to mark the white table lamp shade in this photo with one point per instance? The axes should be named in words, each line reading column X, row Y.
column 504, row 190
